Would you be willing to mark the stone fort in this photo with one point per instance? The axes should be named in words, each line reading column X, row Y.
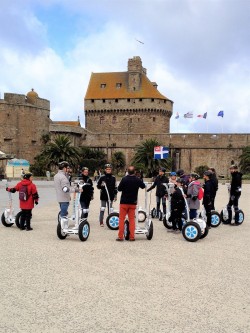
column 122, row 109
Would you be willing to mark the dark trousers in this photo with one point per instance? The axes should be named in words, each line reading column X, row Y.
column 85, row 206
column 175, row 218
column 26, row 216
column 208, row 209
column 233, row 201
column 158, row 203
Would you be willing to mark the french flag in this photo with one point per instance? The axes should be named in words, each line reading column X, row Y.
column 160, row 152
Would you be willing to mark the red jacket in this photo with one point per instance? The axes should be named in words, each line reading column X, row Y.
column 32, row 193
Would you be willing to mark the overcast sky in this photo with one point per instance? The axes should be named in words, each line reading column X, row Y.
column 198, row 52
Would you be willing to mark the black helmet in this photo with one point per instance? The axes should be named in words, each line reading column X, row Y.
column 108, row 165
column 62, row 165
column 180, row 172
column 162, row 169
column 195, row 176
column 27, row 175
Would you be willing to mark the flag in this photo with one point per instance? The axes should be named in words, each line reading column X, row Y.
column 177, row 116
column 160, row 152
column 188, row 115
column 202, row 115
column 220, row 114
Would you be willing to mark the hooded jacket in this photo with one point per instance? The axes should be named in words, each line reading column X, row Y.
column 32, row 193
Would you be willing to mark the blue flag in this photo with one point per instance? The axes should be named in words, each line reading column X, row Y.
column 220, row 114
column 160, row 152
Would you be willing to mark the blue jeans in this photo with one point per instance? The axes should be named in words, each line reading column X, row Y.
column 64, row 209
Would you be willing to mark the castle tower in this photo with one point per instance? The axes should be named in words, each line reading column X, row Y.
column 126, row 102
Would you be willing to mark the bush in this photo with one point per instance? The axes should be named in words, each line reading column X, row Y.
column 201, row 169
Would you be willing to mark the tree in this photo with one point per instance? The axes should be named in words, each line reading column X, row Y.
column 60, row 150
column 245, row 160
column 118, row 161
column 145, row 156
column 201, row 169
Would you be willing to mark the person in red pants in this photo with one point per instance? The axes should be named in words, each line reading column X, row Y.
column 129, row 187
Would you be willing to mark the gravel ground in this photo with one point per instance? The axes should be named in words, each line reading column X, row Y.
column 163, row 285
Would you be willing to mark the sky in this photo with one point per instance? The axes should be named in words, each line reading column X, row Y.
column 198, row 52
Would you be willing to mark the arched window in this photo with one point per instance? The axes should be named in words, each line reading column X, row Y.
column 101, row 119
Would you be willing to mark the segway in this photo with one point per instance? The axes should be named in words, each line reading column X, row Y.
column 8, row 217
column 195, row 229
column 224, row 213
column 81, row 226
column 148, row 228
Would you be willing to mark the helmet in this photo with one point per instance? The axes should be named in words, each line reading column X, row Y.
column 195, row 176
column 108, row 165
column 173, row 173
column 27, row 175
column 180, row 172
column 162, row 169
column 85, row 168
column 62, row 165
column 208, row 173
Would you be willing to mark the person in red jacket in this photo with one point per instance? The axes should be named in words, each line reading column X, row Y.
column 27, row 197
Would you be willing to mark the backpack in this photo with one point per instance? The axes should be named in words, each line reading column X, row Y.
column 200, row 193
column 23, row 193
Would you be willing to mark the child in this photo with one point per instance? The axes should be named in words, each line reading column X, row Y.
column 192, row 195
column 177, row 206
column 27, row 196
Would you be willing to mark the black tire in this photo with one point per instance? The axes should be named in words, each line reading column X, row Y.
column 60, row 233
column 153, row 213
column 167, row 224
column 205, row 233
column 17, row 219
column 241, row 217
column 126, row 230
column 150, row 233
column 4, row 221
column 160, row 215
column 59, row 217
column 191, row 231
column 141, row 216
column 215, row 219
column 84, row 230
column 112, row 221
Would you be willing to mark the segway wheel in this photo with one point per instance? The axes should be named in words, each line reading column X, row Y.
column 4, row 221
column 150, row 233
column 191, row 231
column 223, row 220
column 153, row 213
column 18, row 219
column 60, row 233
column 205, row 233
column 112, row 221
column 240, row 217
column 84, row 230
column 141, row 216
column 126, row 230
column 160, row 215
column 167, row 224
column 215, row 219
column 59, row 217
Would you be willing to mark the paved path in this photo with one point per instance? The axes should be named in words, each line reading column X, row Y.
column 163, row 285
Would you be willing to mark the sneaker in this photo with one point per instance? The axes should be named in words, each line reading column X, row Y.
column 131, row 239
column 28, row 229
column 119, row 239
column 101, row 224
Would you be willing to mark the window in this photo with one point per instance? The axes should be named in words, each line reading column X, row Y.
column 103, row 100
column 101, row 119
column 140, row 99
column 118, row 85
column 154, row 119
column 103, row 85
column 92, row 100
column 114, row 120
column 128, row 100
column 152, row 99
column 116, row 100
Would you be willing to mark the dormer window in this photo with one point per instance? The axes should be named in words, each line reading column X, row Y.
column 103, row 85
column 118, row 85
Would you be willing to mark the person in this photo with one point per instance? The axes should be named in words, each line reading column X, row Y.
column 48, row 175
column 69, row 174
column 208, row 195
column 109, row 179
column 129, row 186
column 95, row 176
column 192, row 195
column 161, row 191
column 87, row 192
column 235, row 193
column 22, row 173
column 63, row 190
column 177, row 206
column 172, row 180
column 28, row 195
column 215, row 184
column 185, row 179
